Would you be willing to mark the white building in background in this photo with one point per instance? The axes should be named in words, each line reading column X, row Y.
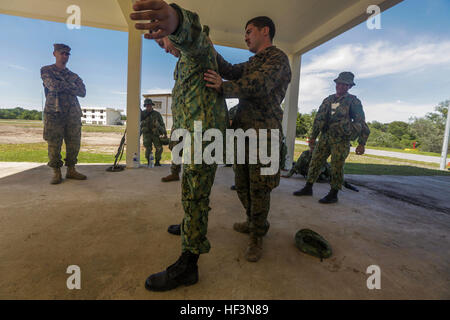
column 102, row 116
column 163, row 104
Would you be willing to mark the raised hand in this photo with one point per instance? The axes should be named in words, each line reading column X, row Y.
column 163, row 19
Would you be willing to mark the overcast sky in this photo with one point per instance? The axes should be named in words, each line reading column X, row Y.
column 402, row 70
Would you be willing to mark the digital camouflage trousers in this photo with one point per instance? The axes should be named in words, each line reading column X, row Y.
column 59, row 127
column 196, row 187
column 339, row 152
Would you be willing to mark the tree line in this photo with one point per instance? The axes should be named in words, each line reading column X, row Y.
column 20, row 113
column 427, row 133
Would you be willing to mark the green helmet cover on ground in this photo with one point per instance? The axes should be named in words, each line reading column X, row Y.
column 312, row 243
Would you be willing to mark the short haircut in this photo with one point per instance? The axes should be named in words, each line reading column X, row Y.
column 261, row 22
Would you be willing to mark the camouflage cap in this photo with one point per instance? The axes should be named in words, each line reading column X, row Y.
column 313, row 244
column 148, row 101
column 61, row 47
column 345, row 78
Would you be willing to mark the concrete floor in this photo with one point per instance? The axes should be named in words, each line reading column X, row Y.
column 113, row 226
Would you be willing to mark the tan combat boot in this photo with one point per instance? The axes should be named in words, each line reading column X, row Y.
column 73, row 174
column 57, row 177
column 254, row 250
column 242, row 227
column 171, row 177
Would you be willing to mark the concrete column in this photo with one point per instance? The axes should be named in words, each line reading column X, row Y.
column 445, row 143
column 133, row 93
column 291, row 108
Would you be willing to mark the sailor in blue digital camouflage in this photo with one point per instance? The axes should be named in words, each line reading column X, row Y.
column 179, row 29
column 152, row 127
column 260, row 85
column 62, row 113
column 339, row 121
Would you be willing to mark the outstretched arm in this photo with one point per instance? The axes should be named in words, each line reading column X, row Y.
column 257, row 84
column 181, row 26
column 230, row 71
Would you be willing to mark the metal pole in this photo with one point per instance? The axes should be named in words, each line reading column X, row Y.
column 445, row 144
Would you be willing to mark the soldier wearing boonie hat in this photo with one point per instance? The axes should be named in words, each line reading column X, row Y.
column 339, row 121
column 346, row 78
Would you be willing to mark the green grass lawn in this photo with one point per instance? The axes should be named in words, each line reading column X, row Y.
column 94, row 128
column 376, row 165
column 416, row 151
column 366, row 164
column 37, row 152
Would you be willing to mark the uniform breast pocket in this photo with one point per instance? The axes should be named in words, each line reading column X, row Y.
column 342, row 111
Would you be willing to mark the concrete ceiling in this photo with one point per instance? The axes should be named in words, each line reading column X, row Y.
column 301, row 24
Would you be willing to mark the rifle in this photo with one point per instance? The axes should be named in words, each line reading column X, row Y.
column 350, row 186
column 116, row 167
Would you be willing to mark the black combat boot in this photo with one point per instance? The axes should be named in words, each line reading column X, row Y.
column 183, row 271
column 174, row 229
column 331, row 197
column 157, row 164
column 306, row 191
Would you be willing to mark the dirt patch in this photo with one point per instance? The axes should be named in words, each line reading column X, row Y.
column 95, row 142
column 10, row 134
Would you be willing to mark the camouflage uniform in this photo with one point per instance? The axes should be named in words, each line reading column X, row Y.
column 193, row 101
column 302, row 167
column 152, row 127
column 62, row 114
column 175, row 169
column 339, row 121
column 260, row 84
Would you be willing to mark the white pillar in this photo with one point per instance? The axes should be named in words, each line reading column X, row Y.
column 445, row 144
column 133, row 93
column 291, row 108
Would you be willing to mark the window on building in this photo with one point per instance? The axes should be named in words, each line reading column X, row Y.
column 158, row 105
column 101, row 117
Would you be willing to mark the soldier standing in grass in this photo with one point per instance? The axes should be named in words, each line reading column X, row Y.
column 62, row 113
column 339, row 121
column 152, row 127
